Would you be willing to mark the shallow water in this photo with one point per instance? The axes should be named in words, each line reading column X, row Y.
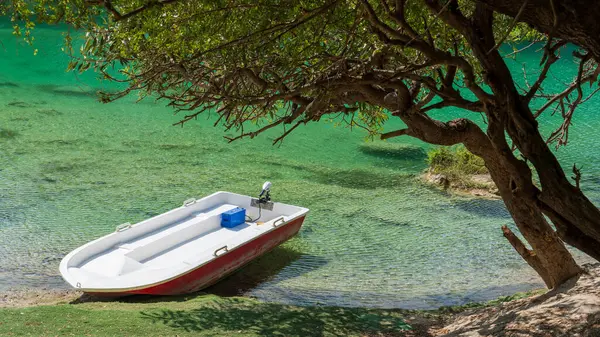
column 72, row 168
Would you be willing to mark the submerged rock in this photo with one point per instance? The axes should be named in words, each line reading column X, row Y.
column 8, row 85
column 20, row 104
column 49, row 112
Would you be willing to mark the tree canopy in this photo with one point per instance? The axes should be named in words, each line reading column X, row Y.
column 288, row 62
column 267, row 64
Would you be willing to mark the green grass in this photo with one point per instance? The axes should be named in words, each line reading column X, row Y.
column 211, row 315
column 205, row 315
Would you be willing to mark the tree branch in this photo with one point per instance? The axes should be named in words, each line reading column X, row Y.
column 548, row 59
column 396, row 133
column 528, row 255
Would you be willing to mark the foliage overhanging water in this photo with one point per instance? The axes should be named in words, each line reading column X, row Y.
column 72, row 168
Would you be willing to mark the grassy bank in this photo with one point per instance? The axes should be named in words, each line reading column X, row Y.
column 211, row 315
column 205, row 315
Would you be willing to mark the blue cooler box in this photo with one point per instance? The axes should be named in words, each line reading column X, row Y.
column 233, row 217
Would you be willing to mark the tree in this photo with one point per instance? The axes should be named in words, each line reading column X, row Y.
column 267, row 64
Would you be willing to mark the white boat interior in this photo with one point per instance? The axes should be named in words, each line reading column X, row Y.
column 170, row 244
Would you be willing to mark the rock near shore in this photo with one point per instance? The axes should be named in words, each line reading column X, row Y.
column 478, row 185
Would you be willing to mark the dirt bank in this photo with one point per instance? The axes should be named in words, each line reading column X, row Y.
column 18, row 298
column 570, row 311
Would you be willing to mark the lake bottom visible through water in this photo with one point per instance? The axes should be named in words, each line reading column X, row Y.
column 71, row 169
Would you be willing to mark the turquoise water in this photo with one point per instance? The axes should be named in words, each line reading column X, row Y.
column 72, row 168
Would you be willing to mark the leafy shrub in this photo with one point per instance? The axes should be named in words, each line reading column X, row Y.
column 468, row 162
column 441, row 158
column 457, row 164
column 457, row 158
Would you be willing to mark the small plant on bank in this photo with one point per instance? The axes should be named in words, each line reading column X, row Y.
column 458, row 165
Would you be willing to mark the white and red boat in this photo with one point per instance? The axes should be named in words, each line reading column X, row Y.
column 183, row 250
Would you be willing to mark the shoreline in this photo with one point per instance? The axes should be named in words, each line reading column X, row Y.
column 29, row 297
column 572, row 309
column 23, row 297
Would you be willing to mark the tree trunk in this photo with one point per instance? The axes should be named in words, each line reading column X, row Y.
column 509, row 115
column 576, row 218
column 548, row 257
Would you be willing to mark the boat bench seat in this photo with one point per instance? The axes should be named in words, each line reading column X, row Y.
column 194, row 226
column 191, row 220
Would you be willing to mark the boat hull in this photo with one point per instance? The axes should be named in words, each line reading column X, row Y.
column 211, row 272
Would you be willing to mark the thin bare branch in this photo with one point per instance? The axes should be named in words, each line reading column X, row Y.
column 510, row 28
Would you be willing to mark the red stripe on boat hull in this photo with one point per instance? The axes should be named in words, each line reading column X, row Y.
column 222, row 266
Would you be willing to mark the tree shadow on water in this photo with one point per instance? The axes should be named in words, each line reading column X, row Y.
column 389, row 151
column 67, row 90
column 351, row 178
column 71, row 91
column 360, row 179
column 483, row 207
column 267, row 319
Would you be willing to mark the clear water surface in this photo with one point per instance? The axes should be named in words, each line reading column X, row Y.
column 72, row 168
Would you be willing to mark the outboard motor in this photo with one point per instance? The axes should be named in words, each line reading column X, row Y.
column 265, row 194
column 264, row 198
